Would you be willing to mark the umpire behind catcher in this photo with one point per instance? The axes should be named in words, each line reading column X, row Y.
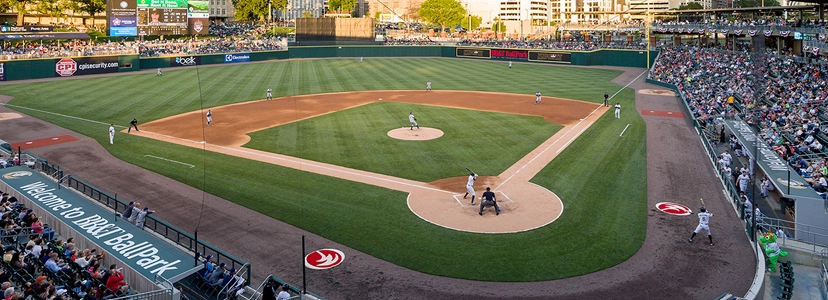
column 489, row 200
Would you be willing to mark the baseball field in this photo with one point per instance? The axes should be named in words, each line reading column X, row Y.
column 600, row 177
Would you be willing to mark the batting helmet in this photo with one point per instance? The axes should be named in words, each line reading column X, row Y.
column 702, row 209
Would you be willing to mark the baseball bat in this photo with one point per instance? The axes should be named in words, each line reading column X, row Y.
column 467, row 169
column 702, row 201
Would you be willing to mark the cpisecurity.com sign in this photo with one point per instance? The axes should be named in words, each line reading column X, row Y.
column 143, row 252
column 234, row 58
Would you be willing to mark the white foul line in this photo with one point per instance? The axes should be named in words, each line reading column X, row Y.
column 170, row 160
column 62, row 115
column 625, row 129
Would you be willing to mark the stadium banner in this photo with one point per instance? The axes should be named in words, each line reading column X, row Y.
column 2, row 71
column 510, row 54
column 549, row 56
column 123, row 18
column 199, row 9
column 139, row 250
column 162, row 3
column 66, row 67
column 198, row 25
column 234, row 58
column 473, row 53
column 19, row 29
column 185, row 61
column 768, row 160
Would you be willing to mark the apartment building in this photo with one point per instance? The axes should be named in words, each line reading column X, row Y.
column 222, row 10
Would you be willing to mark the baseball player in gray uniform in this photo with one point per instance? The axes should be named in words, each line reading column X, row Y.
column 111, row 134
column 538, row 97
column 428, row 86
column 209, row 117
column 704, row 219
column 413, row 121
column 470, row 186
column 269, row 94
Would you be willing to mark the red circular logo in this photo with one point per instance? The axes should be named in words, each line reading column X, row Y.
column 324, row 259
column 673, row 208
column 66, row 67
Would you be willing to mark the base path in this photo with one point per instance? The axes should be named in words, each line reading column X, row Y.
column 524, row 206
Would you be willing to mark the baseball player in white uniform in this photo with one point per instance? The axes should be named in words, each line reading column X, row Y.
column 704, row 220
column 617, row 110
column 470, row 186
column 209, row 117
column 744, row 181
column 159, row 72
column 428, row 86
column 111, row 134
column 269, row 94
column 413, row 121
column 510, row 64
column 538, row 97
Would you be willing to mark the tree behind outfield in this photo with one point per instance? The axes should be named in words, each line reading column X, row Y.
column 446, row 13
column 475, row 22
column 690, row 5
column 341, row 5
column 250, row 10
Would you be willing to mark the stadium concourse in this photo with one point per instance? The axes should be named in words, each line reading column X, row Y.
column 666, row 267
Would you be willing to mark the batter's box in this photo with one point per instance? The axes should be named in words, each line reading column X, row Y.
column 500, row 196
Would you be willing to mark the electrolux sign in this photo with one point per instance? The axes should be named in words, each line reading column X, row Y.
column 142, row 251
column 234, row 58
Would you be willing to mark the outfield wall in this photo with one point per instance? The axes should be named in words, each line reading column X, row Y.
column 78, row 66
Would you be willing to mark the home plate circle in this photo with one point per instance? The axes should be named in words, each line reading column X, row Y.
column 673, row 208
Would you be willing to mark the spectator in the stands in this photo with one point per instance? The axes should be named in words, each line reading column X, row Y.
column 37, row 226
column 90, row 293
column 58, row 266
column 115, row 280
column 69, row 247
column 19, row 265
column 94, row 269
column 7, row 257
column 84, row 259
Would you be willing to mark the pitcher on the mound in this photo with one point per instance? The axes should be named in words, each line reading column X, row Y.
column 413, row 121
column 470, row 186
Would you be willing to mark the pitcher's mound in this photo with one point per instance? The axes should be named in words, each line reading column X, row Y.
column 422, row 134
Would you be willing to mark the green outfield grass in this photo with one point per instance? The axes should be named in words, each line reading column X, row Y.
column 357, row 138
column 601, row 177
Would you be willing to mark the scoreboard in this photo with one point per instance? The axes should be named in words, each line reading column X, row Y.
column 162, row 21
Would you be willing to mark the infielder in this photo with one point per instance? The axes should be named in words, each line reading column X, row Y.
column 159, row 72
column 428, row 86
column 538, row 97
column 470, row 186
column 269, row 94
column 488, row 200
column 412, row 120
column 111, row 134
column 133, row 123
column 209, row 117
column 617, row 110
column 704, row 219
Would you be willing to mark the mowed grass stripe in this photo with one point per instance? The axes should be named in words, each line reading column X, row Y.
column 381, row 224
column 357, row 138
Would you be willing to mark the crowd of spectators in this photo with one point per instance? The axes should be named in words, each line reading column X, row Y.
column 40, row 265
column 193, row 46
column 747, row 22
column 557, row 45
column 408, row 41
column 788, row 111
column 237, row 29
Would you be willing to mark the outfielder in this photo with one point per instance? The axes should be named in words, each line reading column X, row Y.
column 269, row 94
column 412, row 120
column 159, row 72
column 209, row 117
column 510, row 64
column 538, row 97
column 704, row 219
column 470, row 186
column 488, row 200
column 617, row 110
column 111, row 134
column 428, row 86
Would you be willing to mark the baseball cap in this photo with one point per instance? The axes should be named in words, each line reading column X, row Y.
column 40, row 279
column 222, row 265
column 233, row 270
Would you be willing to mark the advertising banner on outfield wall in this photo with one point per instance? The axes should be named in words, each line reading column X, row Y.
column 2, row 71
column 238, row 57
column 66, row 67
column 508, row 54
column 185, row 61
column 547, row 56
